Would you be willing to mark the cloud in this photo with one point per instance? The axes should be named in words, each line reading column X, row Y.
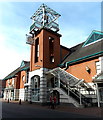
column 13, row 48
column 10, row 57
column 15, row 22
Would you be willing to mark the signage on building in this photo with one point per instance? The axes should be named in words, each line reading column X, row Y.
column 29, row 40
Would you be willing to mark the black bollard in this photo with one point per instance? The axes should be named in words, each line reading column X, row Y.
column 20, row 102
column 8, row 100
column 30, row 102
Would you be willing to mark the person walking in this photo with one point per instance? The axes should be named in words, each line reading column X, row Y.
column 55, row 100
column 50, row 105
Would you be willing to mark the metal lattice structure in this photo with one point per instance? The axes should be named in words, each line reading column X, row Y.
column 44, row 17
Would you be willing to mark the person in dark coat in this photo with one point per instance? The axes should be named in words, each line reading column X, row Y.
column 55, row 101
column 50, row 105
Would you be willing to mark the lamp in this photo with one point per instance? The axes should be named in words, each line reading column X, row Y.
column 88, row 69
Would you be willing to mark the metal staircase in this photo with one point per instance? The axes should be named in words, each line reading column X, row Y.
column 69, row 88
column 75, row 94
column 65, row 98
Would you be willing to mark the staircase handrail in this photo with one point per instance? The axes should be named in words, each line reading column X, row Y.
column 84, row 98
column 69, row 89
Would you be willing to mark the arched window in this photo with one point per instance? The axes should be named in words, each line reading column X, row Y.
column 23, row 78
column 35, row 81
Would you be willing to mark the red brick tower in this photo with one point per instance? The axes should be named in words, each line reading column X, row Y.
column 44, row 39
column 45, row 50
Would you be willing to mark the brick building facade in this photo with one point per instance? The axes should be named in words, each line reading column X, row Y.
column 73, row 75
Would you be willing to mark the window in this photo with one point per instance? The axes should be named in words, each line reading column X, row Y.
column 13, row 81
column 51, row 49
column 52, row 59
column 98, row 67
column 35, row 82
column 23, row 78
column 9, row 82
column 27, row 76
column 36, row 50
column 51, row 45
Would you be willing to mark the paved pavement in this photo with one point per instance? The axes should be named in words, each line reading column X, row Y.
column 26, row 110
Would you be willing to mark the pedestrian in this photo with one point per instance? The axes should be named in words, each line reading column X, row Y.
column 53, row 103
column 20, row 102
column 50, row 105
column 55, row 100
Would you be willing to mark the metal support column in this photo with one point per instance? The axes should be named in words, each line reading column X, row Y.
column 43, row 15
column 98, row 97
column 68, row 88
column 80, row 96
column 58, row 80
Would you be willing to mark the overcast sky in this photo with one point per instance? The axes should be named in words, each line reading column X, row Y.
column 77, row 21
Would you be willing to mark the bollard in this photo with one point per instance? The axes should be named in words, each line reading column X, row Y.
column 20, row 102
column 8, row 100
column 30, row 102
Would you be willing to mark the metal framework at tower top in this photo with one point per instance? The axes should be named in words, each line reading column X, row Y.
column 44, row 17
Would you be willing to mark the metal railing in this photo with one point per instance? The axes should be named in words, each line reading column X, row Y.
column 35, row 25
column 38, row 25
column 53, row 25
column 80, row 98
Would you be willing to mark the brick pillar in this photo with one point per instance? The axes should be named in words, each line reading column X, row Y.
column 16, row 94
column 43, row 86
column 30, row 93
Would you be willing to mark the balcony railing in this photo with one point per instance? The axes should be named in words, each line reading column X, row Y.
column 37, row 25
column 53, row 25
column 32, row 27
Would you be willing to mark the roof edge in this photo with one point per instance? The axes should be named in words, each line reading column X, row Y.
column 82, row 58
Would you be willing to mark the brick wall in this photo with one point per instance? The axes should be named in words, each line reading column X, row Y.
column 44, row 51
column 79, row 70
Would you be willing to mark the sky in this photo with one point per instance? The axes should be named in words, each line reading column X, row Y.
column 77, row 21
